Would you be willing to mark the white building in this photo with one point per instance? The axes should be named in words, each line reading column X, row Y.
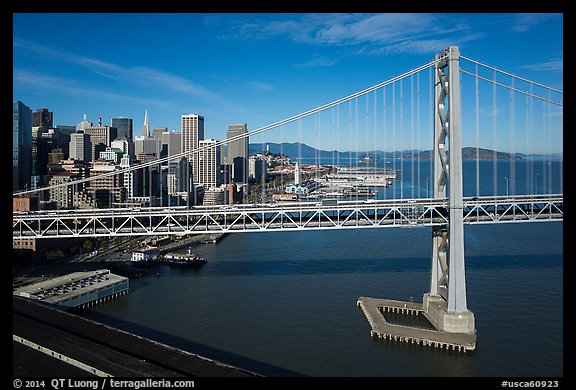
column 128, row 176
column 80, row 147
column 192, row 132
column 208, row 164
column 126, row 145
column 257, row 167
column 112, row 154
column 148, row 253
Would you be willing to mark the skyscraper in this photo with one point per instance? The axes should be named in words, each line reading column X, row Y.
column 80, row 147
column 237, row 152
column 124, row 126
column 146, row 148
column 84, row 124
column 21, row 145
column 42, row 117
column 208, row 162
column 146, row 125
column 103, row 135
column 192, row 133
column 171, row 143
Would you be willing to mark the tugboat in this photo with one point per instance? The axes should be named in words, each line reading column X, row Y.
column 187, row 259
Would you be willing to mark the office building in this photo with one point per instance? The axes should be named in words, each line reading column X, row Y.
column 107, row 191
column 126, row 145
column 42, row 117
column 146, row 148
column 208, row 164
column 192, row 132
column 157, row 133
column 178, row 176
column 21, row 146
column 100, row 135
column 146, row 128
column 84, row 124
column 80, row 147
column 257, row 167
column 123, row 126
column 171, row 143
column 237, row 152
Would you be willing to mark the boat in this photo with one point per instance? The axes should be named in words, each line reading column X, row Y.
column 187, row 259
column 367, row 159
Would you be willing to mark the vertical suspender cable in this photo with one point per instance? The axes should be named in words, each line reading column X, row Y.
column 384, row 135
column 528, row 173
column 401, row 142
column 477, row 137
column 530, row 129
column 512, row 143
column 350, row 134
column 430, row 186
column 418, row 128
column 545, row 159
column 495, row 170
column 412, row 132
column 394, row 137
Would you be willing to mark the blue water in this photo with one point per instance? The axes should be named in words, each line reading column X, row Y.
column 284, row 303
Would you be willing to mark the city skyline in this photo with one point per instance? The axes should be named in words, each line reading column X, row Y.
column 254, row 68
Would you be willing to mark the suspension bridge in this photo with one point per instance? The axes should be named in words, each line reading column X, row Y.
column 418, row 111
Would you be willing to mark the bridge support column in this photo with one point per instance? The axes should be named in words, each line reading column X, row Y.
column 445, row 305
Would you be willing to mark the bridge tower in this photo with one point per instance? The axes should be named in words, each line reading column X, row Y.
column 445, row 304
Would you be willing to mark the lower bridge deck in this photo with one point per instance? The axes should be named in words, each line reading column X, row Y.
column 60, row 339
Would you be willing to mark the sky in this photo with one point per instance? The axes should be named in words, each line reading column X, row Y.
column 261, row 68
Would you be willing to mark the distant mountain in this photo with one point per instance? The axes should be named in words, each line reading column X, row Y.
column 299, row 151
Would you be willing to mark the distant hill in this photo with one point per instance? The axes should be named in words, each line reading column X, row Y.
column 302, row 151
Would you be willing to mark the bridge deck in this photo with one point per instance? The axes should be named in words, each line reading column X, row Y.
column 103, row 350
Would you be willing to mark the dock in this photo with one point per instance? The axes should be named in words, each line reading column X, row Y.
column 78, row 289
column 375, row 309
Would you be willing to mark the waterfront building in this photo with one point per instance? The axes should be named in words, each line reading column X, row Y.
column 214, row 196
column 145, row 254
column 78, row 289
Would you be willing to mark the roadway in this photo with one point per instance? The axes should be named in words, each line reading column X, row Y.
column 98, row 348
column 284, row 216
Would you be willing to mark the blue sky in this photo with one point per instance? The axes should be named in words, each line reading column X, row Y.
column 261, row 68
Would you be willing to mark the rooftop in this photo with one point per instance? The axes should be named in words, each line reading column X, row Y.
column 67, row 286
